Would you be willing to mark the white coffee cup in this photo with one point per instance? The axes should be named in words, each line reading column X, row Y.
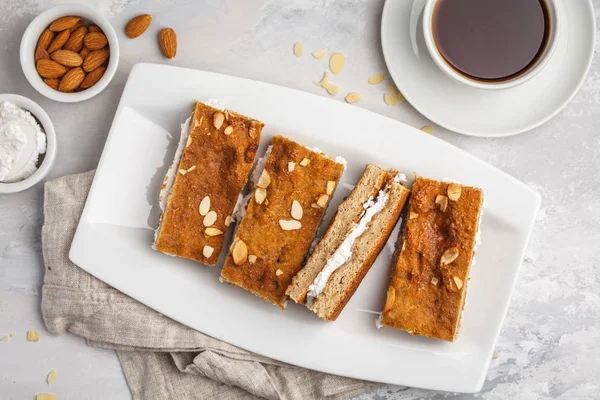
column 440, row 61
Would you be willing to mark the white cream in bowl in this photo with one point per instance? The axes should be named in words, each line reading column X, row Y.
column 22, row 142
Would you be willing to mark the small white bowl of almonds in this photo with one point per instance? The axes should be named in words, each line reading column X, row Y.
column 69, row 53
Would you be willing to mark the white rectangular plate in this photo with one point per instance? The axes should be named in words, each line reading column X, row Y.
column 116, row 231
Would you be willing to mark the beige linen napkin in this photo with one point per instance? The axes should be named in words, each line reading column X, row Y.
column 161, row 358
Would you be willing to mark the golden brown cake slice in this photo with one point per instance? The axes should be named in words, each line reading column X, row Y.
column 352, row 242
column 200, row 191
column 429, row 282
column 288, row 203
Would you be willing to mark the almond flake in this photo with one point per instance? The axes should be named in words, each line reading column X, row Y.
column 213, row 232
column 278, row 272
column 218, row 120
column 226, row 115
column 390, row 99
column 305, row 162
column 296, row 210
column 458, row 282
column 427, row 129
column 332, row 89
column 324, row 80
column 207, row 251
column 291, row 166
column 454, row 191
column 400, row 97
column 390, row 299
column 253, row 129
column 210, row 218
column 239, row 252
column 441, row 201
column 375, row 79
column 252, row 258
column 352, row 98
column 228, row 130
column 51, row 377
column 449, row 256
column 204, row 207
column 298, row 49
column 189, row 141
column 336, row 63
column 265, row 180
column 183, row 171
column 228, row 220
column 413, row 215
column 32, row 336
column 260, row 195
column 319, row 54
column 290, row 224
column 330, row 187
column 392, row 88
column 5, row 338
column 46, row 396
column 434, row 280
column 324, row 83
column 322, row 200
column 190, row 169
column 315, row 205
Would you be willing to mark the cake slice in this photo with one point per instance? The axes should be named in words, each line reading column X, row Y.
column 352, row 242
column 215, row 155
column 429, row 282
column 291, row 193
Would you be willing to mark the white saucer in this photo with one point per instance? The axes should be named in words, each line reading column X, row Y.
column 478, row 112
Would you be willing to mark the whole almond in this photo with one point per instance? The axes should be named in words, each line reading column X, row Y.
column 94, row 28
column 84, row 52
column 53, row 83
column 71, row 80
column 75, row 41
column 45, row 39
column 63, row 23
column 67, row 58
column 92, row 77
column 95, row 40
column 50, row 69
column 59, row 41
column 95, row 59
column 78, row 25
column 138, row 25
column 41, row 54
column 168, row 42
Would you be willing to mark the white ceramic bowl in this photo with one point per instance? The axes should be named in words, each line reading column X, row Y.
column 553, row 9
column 29, row 43
column 50, row 155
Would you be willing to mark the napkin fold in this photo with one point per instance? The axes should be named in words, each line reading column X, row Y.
column 161, row 358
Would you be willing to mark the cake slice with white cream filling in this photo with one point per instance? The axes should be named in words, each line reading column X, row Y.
column 351, row 243
column 292, row 188
column 215, row 155
column 428, row 287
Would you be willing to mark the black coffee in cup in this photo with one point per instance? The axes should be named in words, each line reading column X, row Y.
column 491, row 40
